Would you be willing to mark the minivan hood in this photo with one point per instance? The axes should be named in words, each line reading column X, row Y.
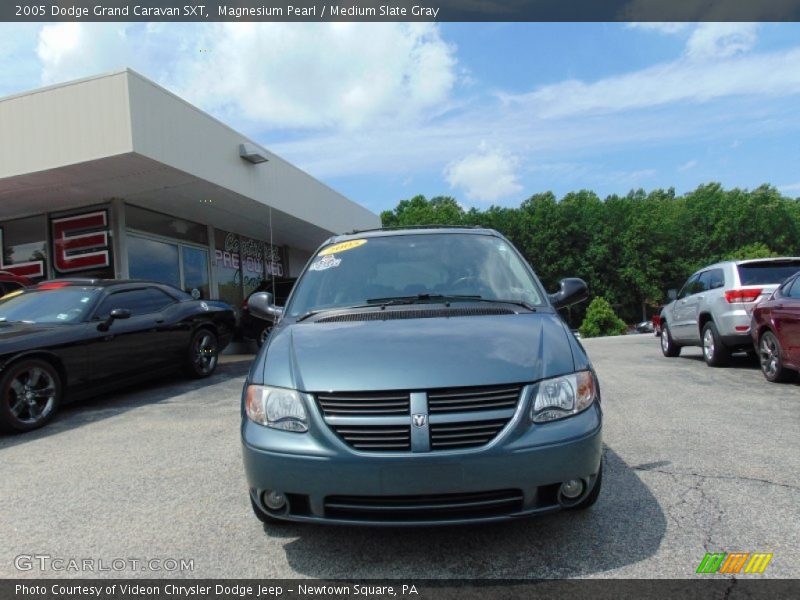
column 418, row 353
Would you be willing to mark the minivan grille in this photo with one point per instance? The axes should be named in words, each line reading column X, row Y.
column 443, row 419
column 471, row 399
column 438, row 507
column 471, row 434
column 376, row 438
column 364, row 403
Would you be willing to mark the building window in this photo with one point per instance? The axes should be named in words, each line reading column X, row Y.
column 227, row 270
column 150, row 221
column 154, row 260
column 24, row 247
column 180, row 265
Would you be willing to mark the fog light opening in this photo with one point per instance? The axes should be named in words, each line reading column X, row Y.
column 274, row 500
column 571, row 490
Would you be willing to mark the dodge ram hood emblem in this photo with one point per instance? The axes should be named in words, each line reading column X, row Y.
column 419, row 420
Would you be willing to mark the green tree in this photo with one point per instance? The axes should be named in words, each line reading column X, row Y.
column 748, row 251
column 601, row 319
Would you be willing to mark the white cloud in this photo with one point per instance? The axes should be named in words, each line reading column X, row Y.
column 486, row 175
column 683, row 80
column 319, row 75
column 322, row 75
column 665, row 27
column 73, row 50
column 689, row 164
column 720, row 40
column 790, row 188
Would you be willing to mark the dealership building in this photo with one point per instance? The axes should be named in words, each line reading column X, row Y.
column 114, row 176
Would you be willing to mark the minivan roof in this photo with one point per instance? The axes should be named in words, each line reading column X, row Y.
column 415, row 230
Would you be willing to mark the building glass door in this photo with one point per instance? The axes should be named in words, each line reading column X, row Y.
column 195, row 271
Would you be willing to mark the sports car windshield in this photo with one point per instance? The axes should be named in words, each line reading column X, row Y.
column 65, row 305
column 417, row 268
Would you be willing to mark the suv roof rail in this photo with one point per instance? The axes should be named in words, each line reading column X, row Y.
column 398, row 227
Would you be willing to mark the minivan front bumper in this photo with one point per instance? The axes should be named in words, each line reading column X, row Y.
column 516, row 476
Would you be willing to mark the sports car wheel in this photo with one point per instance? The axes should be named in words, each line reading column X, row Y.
column 31, row 393
column 770, row 357
column 203, row 354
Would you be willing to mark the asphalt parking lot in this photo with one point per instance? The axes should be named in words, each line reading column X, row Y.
column 698, row 460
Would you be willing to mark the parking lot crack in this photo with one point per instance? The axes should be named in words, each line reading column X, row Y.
column 722, row 477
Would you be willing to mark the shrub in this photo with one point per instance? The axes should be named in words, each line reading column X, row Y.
column 601, row 320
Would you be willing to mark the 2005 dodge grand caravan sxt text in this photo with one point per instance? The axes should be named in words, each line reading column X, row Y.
column 420, row 376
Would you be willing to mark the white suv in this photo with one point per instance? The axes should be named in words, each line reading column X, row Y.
column 714, row 307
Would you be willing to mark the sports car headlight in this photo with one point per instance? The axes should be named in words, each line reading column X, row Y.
column 564, row 396
column 278, row 408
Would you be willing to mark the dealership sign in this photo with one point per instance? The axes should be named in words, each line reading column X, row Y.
column 250, row 255
column 81, row 242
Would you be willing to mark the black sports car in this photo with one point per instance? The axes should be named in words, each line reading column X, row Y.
column 72, row 337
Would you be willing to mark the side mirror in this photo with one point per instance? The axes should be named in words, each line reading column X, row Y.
column 116, row 313
column 572, row 290
column 262, row 305
column 672, row 294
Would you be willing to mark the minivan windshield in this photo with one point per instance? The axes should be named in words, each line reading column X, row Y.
column 451, row 266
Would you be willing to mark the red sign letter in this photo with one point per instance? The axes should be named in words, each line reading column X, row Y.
column 80, row 242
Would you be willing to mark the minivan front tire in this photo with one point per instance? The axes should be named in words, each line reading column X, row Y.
column 668, row 346
column 715, row 352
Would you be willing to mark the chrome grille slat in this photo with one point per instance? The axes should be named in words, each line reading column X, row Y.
column 449, row 436
column 375, row 437
column 473, row 399
column 364, row 404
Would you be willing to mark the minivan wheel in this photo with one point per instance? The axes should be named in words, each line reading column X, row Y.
column 31, row 393
column 715, row 353
column 770, row 356
column 593, row 495
column 668, row 346
column 203, row 354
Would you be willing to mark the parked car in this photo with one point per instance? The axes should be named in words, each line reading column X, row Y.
column 421, row 376
column 11, row 283
column 255, row 327
column 776, row 332
column 68, row 338
column 714, row 308
column 644, row 327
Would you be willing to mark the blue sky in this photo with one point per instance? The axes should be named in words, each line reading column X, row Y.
column 488, row 113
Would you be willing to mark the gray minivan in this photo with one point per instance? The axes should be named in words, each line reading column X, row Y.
column 420, row 376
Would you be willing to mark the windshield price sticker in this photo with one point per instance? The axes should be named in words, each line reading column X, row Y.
column 342, row 247
column 325, row 263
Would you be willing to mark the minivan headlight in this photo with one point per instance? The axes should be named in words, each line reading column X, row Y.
column 563, row 396
column 279, row 408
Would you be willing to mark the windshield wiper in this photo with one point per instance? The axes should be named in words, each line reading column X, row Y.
column 417, row 298
column 394, row 300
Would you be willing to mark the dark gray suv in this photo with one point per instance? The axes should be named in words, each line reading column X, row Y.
column 420, row 376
